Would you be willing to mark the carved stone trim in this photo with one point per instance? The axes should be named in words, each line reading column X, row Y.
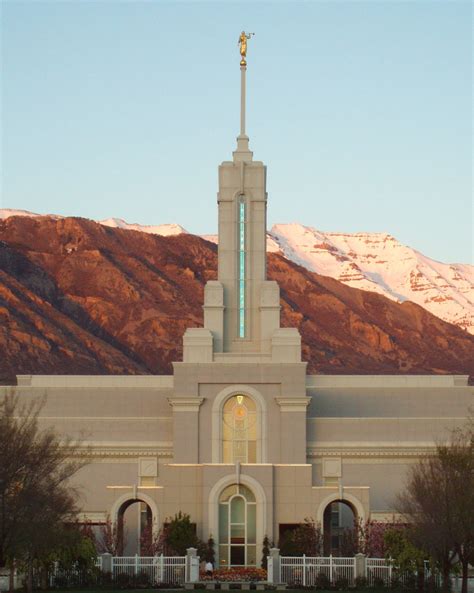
column 293, row 404
column 99, row 452
column 185, row 404
column 317, row 452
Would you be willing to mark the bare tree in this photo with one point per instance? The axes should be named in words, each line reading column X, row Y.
column 438, row 504
column 36, row 498
column 113, row 537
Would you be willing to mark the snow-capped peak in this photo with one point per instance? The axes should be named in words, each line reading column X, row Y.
column 160, row 229
column 380, row 263
column 369, row 261
column 8, row 212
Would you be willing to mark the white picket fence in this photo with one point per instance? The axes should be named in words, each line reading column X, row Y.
column 159, row 569
column 304, row 570
column 379, row 569
column 170, row 570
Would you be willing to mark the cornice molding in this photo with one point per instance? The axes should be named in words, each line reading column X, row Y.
column 121, row 452
column 185, row 404
column 319, row 452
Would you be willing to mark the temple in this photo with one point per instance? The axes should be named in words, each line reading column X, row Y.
column 240, row 437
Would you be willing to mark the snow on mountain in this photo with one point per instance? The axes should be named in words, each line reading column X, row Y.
column 7, row 212
column 161, row 229
column 369, row 261
column 378, row 262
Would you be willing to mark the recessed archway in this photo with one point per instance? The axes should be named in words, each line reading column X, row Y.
column 351, row 511
column 339, row 529
column 135, row 520
column 260, row 507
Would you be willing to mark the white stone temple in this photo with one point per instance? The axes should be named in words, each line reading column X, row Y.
column 239, row 436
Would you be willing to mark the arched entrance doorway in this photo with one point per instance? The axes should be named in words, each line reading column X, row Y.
column 134, row 528
column 135, row 521
column 339, row 528
column 237, row 526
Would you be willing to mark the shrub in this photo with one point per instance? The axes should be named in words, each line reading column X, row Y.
column 122, row 580
column 322, row 581
column 341, row 584
column 378, row 583
column 409, row 582
column 306, row 539
column 142, row 579
column 265, row 552
column 361, row 582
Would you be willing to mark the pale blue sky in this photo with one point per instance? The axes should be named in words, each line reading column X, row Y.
column 361, row 110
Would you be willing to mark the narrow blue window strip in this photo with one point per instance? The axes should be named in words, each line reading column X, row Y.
column 242, row 270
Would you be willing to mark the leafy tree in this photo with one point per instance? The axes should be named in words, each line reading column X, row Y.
column 36, row 498
column 265, row 552
column 406, row 557
column 305, row 539
column 180, row 534
column 210, row 555
column 438, row 502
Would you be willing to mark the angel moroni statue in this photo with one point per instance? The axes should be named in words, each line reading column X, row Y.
column 243, row 46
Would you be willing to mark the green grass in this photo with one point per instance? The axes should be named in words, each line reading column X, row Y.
column 107, row 590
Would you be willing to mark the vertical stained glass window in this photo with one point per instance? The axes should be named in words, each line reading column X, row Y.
column 242, row 268
column 237, row 527
column 239, row 430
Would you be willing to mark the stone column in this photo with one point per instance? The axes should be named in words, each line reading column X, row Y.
column 274, row 578
column 360, row 565
column 293, row 428
column 192, row 566
column 185, row 428
column 106, row 562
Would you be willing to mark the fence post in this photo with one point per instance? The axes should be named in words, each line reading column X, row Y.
column 191, row 570
column 360, row 566
column 304, row 570
column 276, row 566
column 330, row 568
column 161, row 567
column 106, row 562
column 390, row 568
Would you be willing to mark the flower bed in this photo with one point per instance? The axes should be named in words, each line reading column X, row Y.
column 236, row 575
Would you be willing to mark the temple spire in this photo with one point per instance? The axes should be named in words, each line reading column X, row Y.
column 243, row 153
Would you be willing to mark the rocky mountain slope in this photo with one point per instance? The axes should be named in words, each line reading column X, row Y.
column 369, row 261
column 380, row 263
column 80, row 297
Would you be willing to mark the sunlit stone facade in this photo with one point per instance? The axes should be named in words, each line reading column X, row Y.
column 240, row 437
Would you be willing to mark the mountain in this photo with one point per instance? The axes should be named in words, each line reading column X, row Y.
column 161, row 229
column 379, row 263
column 369, row 261
column 81, row 297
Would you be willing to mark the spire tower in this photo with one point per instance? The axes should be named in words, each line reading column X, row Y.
column 242, row 307
column 243, row 153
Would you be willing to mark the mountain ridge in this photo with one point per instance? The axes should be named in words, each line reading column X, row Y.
column 84, row 298
column 370, row 261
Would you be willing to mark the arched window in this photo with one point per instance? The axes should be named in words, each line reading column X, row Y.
column 237, row 527
column 239, row 430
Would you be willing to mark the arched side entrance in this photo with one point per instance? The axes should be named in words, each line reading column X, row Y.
column 338, row 517
column 134, row 524
column 237, row 511
column 339, row 533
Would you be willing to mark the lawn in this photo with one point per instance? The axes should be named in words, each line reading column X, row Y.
column 105, row 589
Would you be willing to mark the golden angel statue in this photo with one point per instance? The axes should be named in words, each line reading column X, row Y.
column 243, row 46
